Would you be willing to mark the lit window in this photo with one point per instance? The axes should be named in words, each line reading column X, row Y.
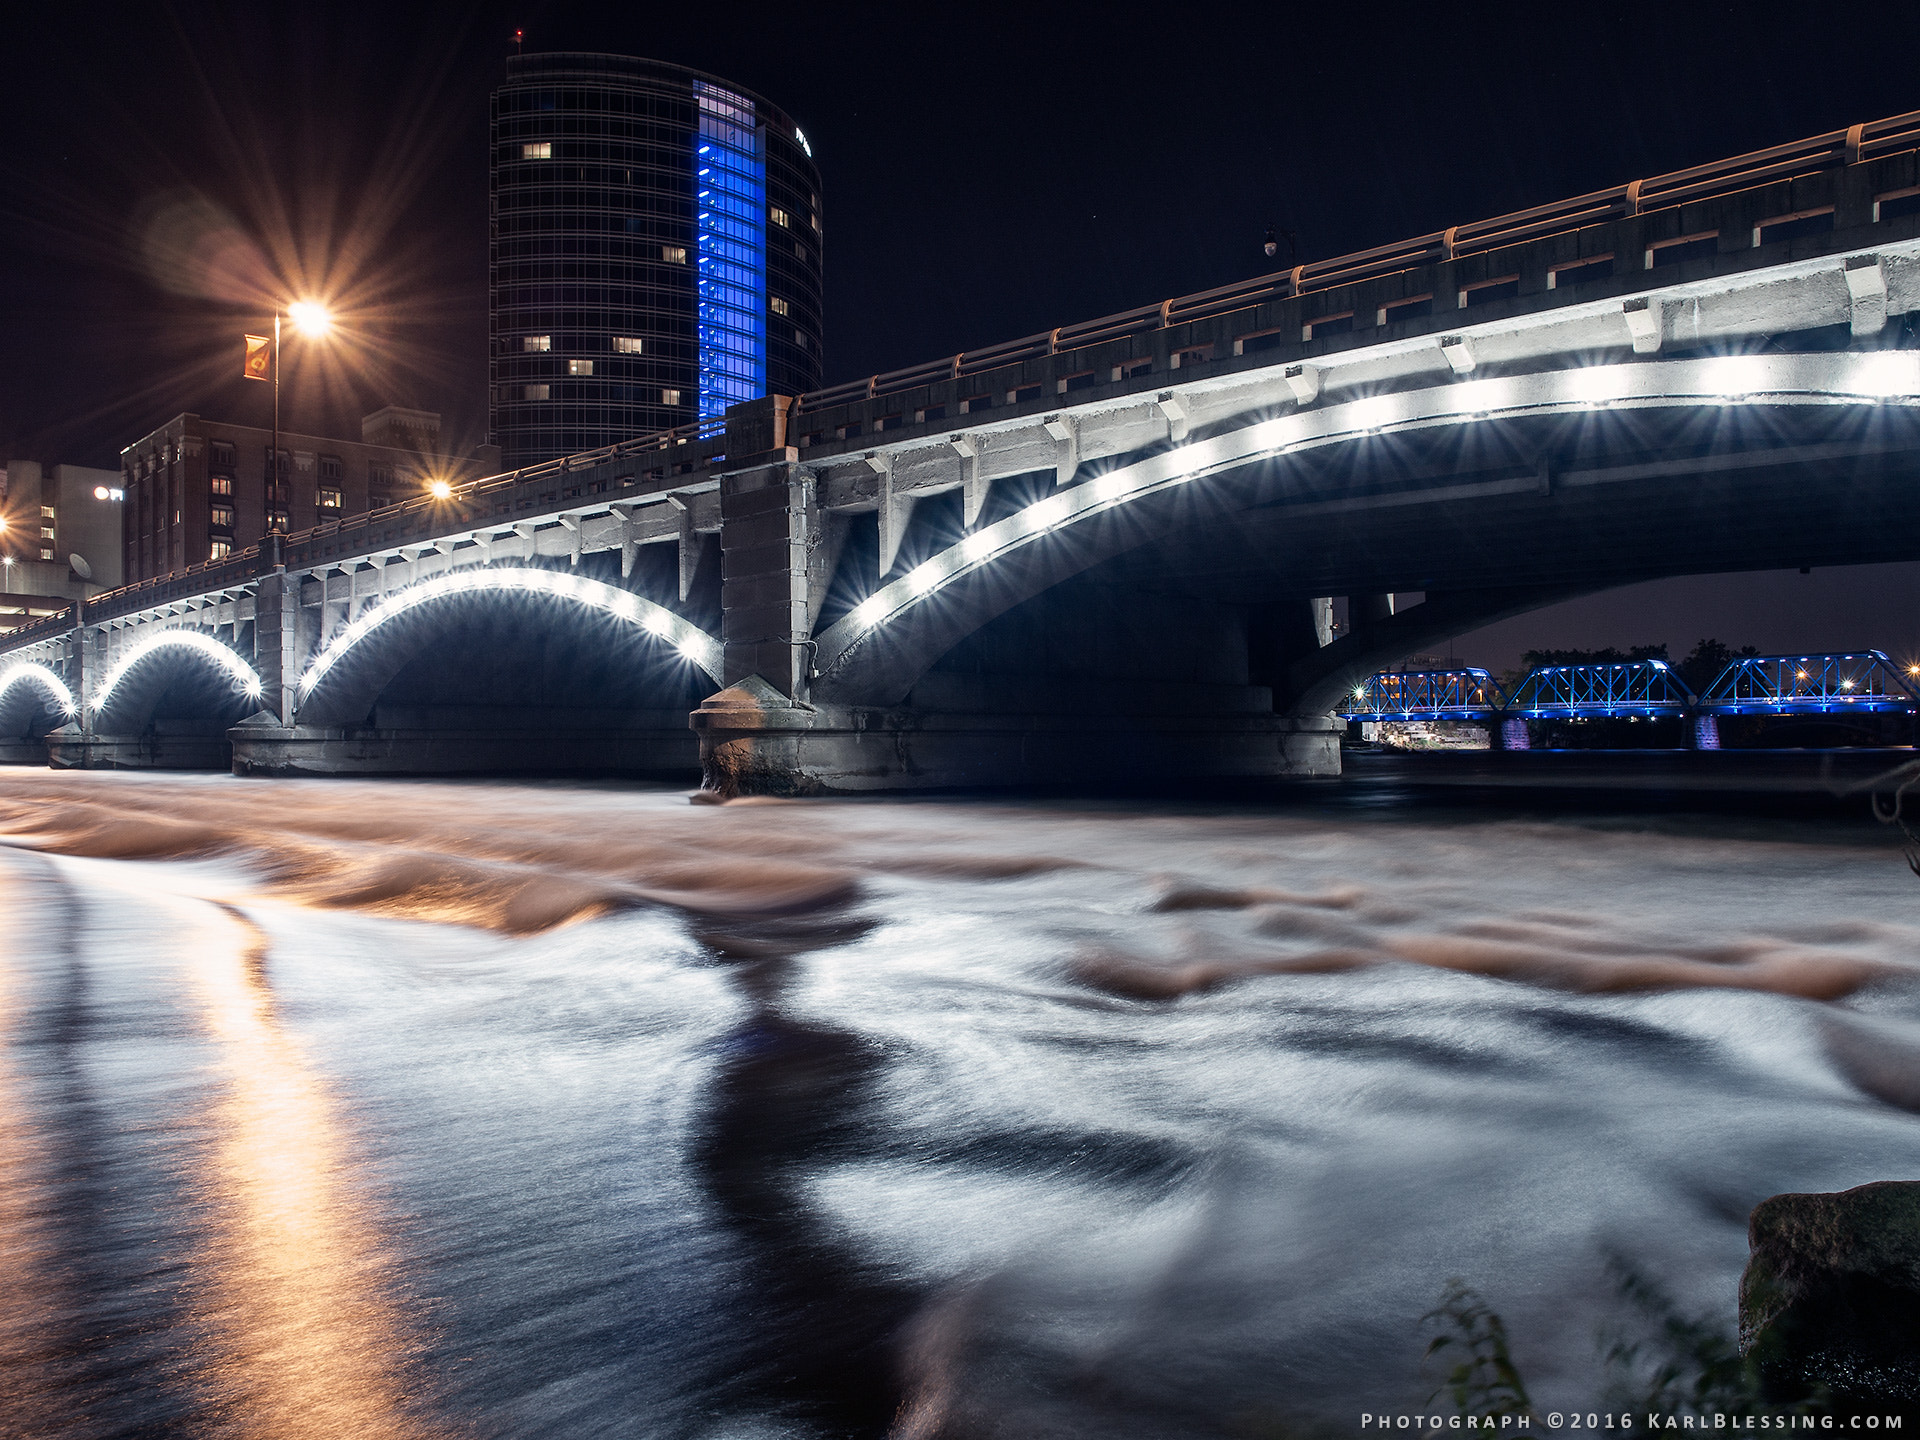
column 219, row 549
column 779, row 217
column 46, row 554
column 674, row 254
column 535, row 392
column 328, row 499
column 47, row 512
column 579, row 367
column 537, row 150
column 221, row 484
column 800, row 338
column 536, row 342
column 669, row 397
column 779, row 305
column 276, row 520
column 221, row 515
column 627, row 344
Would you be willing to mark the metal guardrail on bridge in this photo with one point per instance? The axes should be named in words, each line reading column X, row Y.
column 1867, row 141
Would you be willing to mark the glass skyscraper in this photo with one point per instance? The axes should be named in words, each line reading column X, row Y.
column 656, row 241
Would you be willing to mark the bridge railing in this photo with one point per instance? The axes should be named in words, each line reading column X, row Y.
column 1720, row 177
column 495, row 497
column 234, row 569
column 47, row 627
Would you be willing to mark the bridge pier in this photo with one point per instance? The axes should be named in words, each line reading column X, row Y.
column 1134, row 688
column 756, row 741
column 648, row 745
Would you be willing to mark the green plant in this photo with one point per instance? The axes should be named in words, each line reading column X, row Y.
column 1482, row 1378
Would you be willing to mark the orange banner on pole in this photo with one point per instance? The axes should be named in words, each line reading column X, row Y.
column 259, row 363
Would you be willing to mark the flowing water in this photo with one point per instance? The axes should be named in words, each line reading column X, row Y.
column 440, row 1109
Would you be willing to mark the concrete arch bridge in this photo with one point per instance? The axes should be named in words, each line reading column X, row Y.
column 1108, row 549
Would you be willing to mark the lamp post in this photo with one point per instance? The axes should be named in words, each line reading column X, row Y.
column 310, row 318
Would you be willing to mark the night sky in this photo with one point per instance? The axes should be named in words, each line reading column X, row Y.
column 989, row 172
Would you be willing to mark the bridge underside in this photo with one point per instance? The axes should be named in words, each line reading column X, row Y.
column 494, row 686
column 1176, row 637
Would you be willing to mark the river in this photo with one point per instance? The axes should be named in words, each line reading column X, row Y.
column 413, row 1108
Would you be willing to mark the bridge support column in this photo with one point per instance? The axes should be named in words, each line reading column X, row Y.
column 278, row 655
column 769, row 523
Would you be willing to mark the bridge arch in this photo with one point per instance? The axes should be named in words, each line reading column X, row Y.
column 351, row 671
column 879, row 649
column 217, row 678
column 33, row 700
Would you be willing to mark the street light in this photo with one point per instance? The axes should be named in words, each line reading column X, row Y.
column 440, row 490
column 311, row 319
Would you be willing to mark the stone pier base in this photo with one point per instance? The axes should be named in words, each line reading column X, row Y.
column 69, row 748
column 651, row 754
column 754, row 741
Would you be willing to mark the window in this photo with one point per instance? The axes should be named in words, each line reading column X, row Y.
column 220, row 454
column 801, row 338
column 1338, row 324
column 579, row 367
column 1663, row 253
column 669, row 397
column 219, row 549
column 380, row 476
column 976, row 402
column 276, row 520
column 328, row 498
column 536, row 342
column 47, row 512
column 1895, row 204
column 779, row 217
column 1485, row 292
column 1414, row 307
column 536, row 392
column 331, row 468
column 1796, row 226
column 537, row 150
column 1580, row 272
column 779, row 305
column 378, row 502
column 221, row 515
column 221, row 484
column 627, row 345
column 674, row 254
column 46, row 554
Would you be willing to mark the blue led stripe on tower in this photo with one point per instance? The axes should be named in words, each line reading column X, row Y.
column 730, row 192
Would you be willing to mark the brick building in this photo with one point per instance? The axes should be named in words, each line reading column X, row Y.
column 197, row 489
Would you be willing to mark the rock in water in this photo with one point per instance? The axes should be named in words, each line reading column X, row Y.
column 1831, row 1296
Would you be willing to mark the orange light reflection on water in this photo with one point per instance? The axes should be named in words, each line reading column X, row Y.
column 308, row 1342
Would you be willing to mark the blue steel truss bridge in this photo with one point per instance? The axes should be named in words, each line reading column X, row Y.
column 1866, row 682
column 1857, row 683
column 1465, row 694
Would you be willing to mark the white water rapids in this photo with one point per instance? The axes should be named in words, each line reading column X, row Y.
column 411, row 1108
